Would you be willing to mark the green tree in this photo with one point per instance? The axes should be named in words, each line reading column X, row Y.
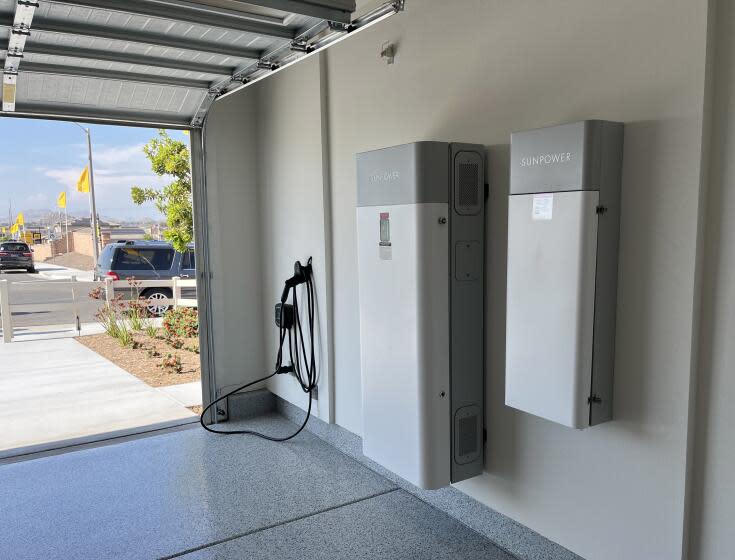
column 170, row 157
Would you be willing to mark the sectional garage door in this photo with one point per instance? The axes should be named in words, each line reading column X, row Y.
column 155, row 62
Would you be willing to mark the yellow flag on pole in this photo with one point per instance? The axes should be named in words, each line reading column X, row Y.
column 14, row 228
column 20, row 220
column 83, row 182
column 61, row 200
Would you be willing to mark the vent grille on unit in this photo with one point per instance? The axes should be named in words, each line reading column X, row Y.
column 467, row 426
column 468, row 182
column 467, row 436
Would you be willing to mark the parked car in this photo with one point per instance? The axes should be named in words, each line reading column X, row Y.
column 147, row 260
column 16, row 255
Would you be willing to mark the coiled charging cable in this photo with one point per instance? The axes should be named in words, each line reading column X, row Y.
column 306, row 375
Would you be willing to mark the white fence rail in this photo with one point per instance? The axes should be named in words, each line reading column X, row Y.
column 111, row 288
column 175, row 285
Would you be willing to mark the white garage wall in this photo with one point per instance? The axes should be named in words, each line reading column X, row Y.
column 234, row 241
column 475, row 71
column 292, row 209
column 713, row 502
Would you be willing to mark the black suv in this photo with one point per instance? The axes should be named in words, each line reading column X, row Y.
column 16, row 255
column 147, row 260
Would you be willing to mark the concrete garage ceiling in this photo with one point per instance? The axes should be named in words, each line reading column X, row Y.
column 154, row 62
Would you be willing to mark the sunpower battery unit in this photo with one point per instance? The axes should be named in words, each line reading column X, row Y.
column 421, row 246
column 563, row 228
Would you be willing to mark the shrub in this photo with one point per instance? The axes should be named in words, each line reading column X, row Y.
column 171, row 362
column 110, row 320
column 125, row 336
column 175, row 342
column 137, row 314
column 137, row 308
column 182, row 322
column 118, row 317
column 96, row 293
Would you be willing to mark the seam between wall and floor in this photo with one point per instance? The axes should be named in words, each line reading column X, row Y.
column 260, row 400
column 417, row 496
column 279, row 524
column 420, row 498
column 280, row 403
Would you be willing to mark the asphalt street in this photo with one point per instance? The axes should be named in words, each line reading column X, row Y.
column 35, row 289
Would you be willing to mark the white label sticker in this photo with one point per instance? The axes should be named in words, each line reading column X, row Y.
column 543, row 206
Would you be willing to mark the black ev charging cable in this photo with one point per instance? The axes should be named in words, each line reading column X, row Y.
column 306, row 375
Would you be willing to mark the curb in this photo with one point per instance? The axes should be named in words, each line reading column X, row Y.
column 51, row 275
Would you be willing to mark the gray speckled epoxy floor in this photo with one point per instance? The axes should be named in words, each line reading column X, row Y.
column 220, row 497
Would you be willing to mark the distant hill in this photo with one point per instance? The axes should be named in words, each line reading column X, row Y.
column 38, row 217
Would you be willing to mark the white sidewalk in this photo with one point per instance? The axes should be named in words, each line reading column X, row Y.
column 186, row 394
column 57, row 272
column 65, row 330
column 60, row 390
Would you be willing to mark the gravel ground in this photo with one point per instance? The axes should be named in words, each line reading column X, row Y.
column 137, row 361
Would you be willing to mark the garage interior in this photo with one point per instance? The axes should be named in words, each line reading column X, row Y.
column 280, row 97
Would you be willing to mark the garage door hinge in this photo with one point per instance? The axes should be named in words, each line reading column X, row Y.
column 267, row 65
column 340, row 27
column 20, row 29
column 302, row 46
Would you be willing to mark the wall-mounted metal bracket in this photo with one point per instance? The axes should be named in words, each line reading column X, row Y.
column 19, row 32
column 301, row 46
column 198, row 120
column 267, row 65
column 340, row 27
column 305, row 43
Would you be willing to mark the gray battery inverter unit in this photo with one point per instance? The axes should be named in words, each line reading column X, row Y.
column 421, row 246
column 563, row 228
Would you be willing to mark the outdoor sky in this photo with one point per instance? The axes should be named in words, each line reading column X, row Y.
column 39, row 159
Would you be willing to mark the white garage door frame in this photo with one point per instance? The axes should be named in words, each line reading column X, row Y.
column 161, row 63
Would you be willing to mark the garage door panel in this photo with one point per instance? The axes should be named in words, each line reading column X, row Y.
column 89, row 58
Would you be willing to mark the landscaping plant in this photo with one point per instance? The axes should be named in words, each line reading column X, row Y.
column 125, row 336
column 110, row 320
column 175, row 342
column 182, row 322
column 172, row 362
column 137, row 307
column 118, row 317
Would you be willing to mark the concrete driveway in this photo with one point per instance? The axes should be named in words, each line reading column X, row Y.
column 59, row 390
